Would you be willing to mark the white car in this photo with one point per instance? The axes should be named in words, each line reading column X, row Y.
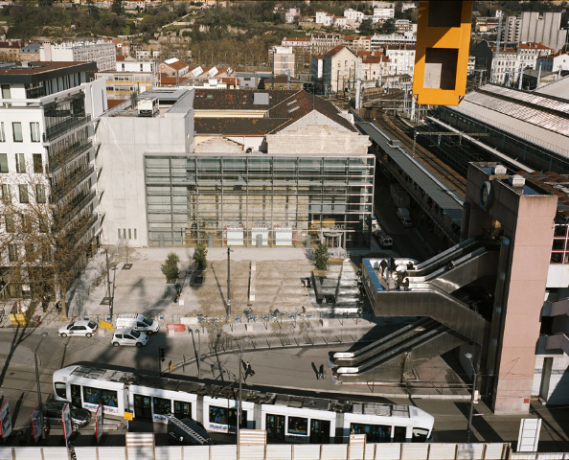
column 85, row 328
column 129, row 337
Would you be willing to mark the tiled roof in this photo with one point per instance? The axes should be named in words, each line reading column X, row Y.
column 237, row 126
column 172, row 80
column 120, row 57
column 176, row 65
column 335, row 50
column 230, row 80
column 235, row 99
column 13, row 45
column 532, row 46
column 502, row 50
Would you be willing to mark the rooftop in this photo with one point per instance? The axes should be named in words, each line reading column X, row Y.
column 34, row 71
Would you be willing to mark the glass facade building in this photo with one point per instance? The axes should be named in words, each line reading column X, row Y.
column 259, row 200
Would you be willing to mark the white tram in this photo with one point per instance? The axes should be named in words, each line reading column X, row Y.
column 284, row 417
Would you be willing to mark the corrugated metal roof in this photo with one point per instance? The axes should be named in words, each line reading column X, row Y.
column 535, row 134
column 446, row 197
column 559, row 89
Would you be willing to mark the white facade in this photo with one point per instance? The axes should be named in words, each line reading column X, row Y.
column 383, row 14
column 341, row 22
column 543, row 28
column 137, row 66
column 324, row 18
column 354, row 15
column 103, row 53
column 401, row 60
column 142, row 55
column 283, row 60
column 553, row 63
column 339, row 70
column 291, row 15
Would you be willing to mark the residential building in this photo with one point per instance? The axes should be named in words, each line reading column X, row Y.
column 317, row 72
column 354, row 16
column 486, row 25
column 324, row 18
column 379, row 41
column 101, row 52
column 322, row 43
column 375, row 66
column 282, row 59
column 297, row 42
column 401, row 59
column 250, row 80
column 339, row 69
column 235, row 168
column 173, row 68
column 281, row 82
column 408, row 6
column 532, row 26
column 30, row 52
column 383, row 13
column 543, row 28
column 404, row 26
column 341, row 22
column 129, row 77
column 553, row 62
column 50, row 220
column 146, row 55
column 528, row 54
column 10, row 50
column 291, row 15
column 358, row 42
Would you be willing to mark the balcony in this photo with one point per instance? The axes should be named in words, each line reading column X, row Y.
column 70, row 210
column 64, row 127
column 73, row 151
column 71, row 181
column 80, row 227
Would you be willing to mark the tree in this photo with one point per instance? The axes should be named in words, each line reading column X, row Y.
column 388, row 27
column 117, row 7
column 200, row 256
column 321, row 256
column 366, row 27
column 170, row 267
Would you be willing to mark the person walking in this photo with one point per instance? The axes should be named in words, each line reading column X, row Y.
column 393, row 266
column 248, row 370
column 405, row 284
column 321, row 372
column 58, row 306
column 383, row 267
column 450, row 265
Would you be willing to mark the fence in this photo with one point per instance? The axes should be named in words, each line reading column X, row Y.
column 438, row 451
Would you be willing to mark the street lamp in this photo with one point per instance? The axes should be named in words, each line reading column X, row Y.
column 243, row 340
column 198, row 357
column 229, row 251
column 472, row 397
column 42, row 432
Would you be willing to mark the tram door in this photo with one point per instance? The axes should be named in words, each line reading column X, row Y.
column 76, row 396
column 142, row 408
column 319, row 431
column 275, row 426
column 182, row 409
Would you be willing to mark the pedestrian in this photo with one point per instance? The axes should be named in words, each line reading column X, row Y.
column 58, row 306
column 248, row 370
column 450, row 265
column 406, row 284
column 392, row 283
column 410, row 266
column 383, row 267
column 321, row 372
column 393, row 266
column 177, row 298
column 44, row 306
column 249, row 314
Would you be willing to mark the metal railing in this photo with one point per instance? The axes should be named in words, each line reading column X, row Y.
column 68, row 153
column 64, row 126
column 70, row 181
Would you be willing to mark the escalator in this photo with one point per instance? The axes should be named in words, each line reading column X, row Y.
column 410, row 346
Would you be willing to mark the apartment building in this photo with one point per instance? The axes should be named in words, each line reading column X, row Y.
column 129, row 77
column 49, row 202
column 354, row 16
column 324, row 18
column 383, row 13
column 101, row 52
column 401, row 59
column 291, row 15
column 532, row 26
column 554, row 62
column 358, row 42
column 339, row 70
column 375, row 66
column 282, row 58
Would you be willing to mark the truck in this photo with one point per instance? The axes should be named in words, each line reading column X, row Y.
column 404, row 217
column 400, row 197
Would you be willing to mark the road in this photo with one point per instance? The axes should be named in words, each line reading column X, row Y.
column 272, row 368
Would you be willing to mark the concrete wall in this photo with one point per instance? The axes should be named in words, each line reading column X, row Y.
column 124, row 142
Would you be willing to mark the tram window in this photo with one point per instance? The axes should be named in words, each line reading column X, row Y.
column 76, row 395
column 298, row 425
column 92, row 395
column 218, row 415
column 420, row 435
column 162, row 406
column 400, row 434
column 60, row 390
column 182, row 409
column 110, row 398
column 374, row 433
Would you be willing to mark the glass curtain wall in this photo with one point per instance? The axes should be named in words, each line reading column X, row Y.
column 260, row 201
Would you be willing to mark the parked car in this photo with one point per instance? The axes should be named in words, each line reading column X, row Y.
column 130, row 337
column 85, row 328
column 52, row 414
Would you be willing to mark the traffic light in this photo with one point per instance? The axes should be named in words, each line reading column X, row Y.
column 162, row 354
column 441, row 57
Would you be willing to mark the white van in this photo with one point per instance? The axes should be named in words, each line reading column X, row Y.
column 138, row 322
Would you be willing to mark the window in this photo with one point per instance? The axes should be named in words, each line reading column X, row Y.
column 43, row 224
column 40, row 193
column 3, row 162
column 26, row 223
column 92, row 395
column 10, row 223
column 17, row 131
column 38, row 165
column 298, row 425
column 12, row 252
column 46, row 254
column 24, row 195
column 110, row 398
column 35, row 131
column 60, row 389
column 20, row 163
column 162, row 406
column 6, row 194
column 2, row 133
column 374, row 433
column 30, row 252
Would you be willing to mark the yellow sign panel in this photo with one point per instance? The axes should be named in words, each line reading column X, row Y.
column 128, row 415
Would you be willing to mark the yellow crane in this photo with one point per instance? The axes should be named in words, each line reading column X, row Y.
column 441, row 58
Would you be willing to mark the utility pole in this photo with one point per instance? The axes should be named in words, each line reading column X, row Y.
column 108, row 276
column 229, row 251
